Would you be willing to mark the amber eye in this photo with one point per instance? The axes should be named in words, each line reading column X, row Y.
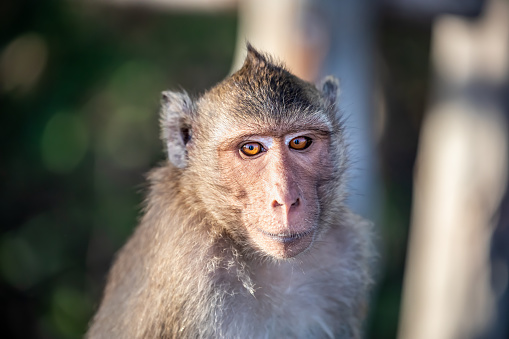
column 300, row 143
column 251, row 148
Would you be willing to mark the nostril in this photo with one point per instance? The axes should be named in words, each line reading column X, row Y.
column 296, row 203
column 276, row 204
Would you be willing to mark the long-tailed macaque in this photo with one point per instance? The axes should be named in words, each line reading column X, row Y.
column 245, row 232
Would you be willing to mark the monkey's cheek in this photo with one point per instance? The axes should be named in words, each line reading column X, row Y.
column 284, row 247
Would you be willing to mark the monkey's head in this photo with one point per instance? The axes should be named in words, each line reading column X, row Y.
column 263, row 151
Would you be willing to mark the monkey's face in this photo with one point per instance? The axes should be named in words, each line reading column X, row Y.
column 275, row 180
column 263, row 154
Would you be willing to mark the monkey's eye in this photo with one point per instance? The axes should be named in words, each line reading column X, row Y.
column 300, row 143
column 251, row 149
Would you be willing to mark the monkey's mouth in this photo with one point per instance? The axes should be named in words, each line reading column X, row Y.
column 284, row 245
column 286, row 237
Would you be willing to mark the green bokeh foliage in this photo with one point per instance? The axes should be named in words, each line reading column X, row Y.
column 77, row 142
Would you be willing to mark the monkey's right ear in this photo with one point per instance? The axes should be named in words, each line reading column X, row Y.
column 176, row 111
column 330, row 90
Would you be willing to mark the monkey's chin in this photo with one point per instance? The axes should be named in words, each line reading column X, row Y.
column 282, row 246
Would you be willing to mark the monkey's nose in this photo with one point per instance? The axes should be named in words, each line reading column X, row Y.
column 287, row 205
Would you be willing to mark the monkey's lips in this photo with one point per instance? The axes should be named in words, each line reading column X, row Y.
column 285, row 245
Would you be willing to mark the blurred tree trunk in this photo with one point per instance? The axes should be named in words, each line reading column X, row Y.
column 460, row 178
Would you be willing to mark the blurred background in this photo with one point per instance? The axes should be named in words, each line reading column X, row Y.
column 425, row 93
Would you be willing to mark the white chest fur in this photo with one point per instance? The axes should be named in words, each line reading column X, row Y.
column 308, row 297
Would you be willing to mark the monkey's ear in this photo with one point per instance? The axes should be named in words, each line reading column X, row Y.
column 330, row 90
column 176, row 111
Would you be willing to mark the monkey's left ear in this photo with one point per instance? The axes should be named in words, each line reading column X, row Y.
column 176, row 112
column 330, row 90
